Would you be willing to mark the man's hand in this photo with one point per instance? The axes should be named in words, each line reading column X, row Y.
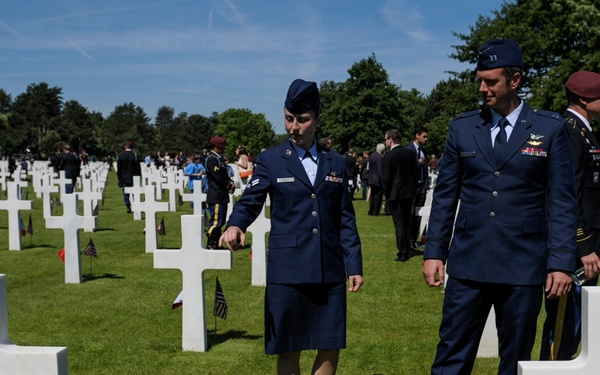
column 231, row 237
column 591, row 265
column 355, row 282
column 558, row 283
column 433, row 272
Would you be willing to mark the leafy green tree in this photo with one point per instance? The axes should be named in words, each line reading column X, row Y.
column 5, row 102
column 77, row 128
column 4, row 135
column 168, row 129
column 51, row 142
column 242, row 127
column 558, row 37
column 197, row 132
column 357, row 112
column 129, row 122
column 33, row 114
column 447, row 100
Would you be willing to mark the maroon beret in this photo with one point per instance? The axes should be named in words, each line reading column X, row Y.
column 584, row 84
column 218, row 141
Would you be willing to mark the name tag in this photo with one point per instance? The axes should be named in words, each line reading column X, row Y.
column 334, row 179
column 285, row 179
column 467, row 154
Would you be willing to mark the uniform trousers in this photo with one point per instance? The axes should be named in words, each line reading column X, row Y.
column 466, row 308
column 562, row 328
column 218, row 213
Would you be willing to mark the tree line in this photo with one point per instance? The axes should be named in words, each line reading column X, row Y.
column 558, row 38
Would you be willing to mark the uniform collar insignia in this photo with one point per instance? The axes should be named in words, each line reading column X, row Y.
column 288, row 152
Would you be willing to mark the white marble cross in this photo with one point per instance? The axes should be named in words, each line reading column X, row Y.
column 46, row 188
column 150, row 207
column 197, row 197
column 37, row 177
column 156, row 179
column 30, row 360
column 62, row 182
column 70, row 222
column 172, row 185
column 193, row 260
column 90, row 199
column 13, row 205
column 3, row 178
column 259, row 228
column 135, row 196
column 588, row 361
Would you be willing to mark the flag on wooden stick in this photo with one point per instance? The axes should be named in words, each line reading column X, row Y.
column 30, row 226
column 22, row 227
column 61, row 254
column 90, row 250
column 178, row 301
column 161, row 227
column 220, row 309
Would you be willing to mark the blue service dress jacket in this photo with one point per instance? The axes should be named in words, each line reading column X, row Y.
column 313, row 237
column 517, row 216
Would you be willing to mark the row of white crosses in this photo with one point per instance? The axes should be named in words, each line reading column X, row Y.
column 16, row 359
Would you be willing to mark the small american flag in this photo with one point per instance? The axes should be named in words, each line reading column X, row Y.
column 220, row 308
column 161, row 227
column 90, row 250
column 22, row 227
column 30, row 226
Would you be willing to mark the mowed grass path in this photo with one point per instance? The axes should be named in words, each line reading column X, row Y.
column 119, row 319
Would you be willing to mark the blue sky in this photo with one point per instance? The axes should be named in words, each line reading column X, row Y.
column 204, row 56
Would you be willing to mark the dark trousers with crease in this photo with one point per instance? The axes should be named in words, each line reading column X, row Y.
column 466, row 308
column 401, row 211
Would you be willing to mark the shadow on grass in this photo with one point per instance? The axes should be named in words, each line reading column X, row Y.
column 104, row 229
column 215, row 338
column 36, row 246
column 92, row 277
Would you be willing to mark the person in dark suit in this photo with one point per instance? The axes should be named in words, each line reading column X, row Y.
column 399, row 187
column 351, row 169
column 376, row 180
column 219, row 185
column 70, row 163
column 314, row 247
column 562, row 328
column 513, row 237
column 421, row 135
column 128, row 165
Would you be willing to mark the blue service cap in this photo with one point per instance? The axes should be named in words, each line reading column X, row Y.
column 499, row 53
column 302, row 97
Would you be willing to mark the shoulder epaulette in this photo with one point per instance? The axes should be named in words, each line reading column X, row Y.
column 550, row 114
column 476, row 112
column 572, row 122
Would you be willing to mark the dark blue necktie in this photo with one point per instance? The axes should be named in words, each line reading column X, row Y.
column 501, row 139
column 308, row 155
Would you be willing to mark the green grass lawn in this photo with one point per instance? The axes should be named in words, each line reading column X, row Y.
column 119, row 319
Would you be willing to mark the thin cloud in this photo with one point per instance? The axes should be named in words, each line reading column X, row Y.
column 405, row 16
column 105, row 11
column 4, row 26
column 234, row 15
column 78, row 49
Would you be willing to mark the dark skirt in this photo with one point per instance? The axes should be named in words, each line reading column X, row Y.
column 305, row 316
